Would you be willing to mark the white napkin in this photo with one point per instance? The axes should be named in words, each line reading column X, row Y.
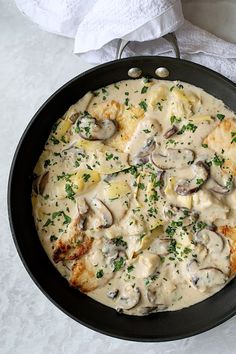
column 97, row 25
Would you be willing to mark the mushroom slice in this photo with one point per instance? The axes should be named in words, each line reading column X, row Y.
column 103, row 213
column 205, row 278
column 39, row 184
column 147, row 310
column 174, row 158
column 219, row 188
column 83, row 209
column 112, row 293
column 129, row 298
column 186, row 187
column 170, row 132
column 91, row 129
column 143, row 154
column 213, row 241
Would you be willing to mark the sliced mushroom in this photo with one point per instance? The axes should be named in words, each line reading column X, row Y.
column 83, row 209
column 186, row 216
column 103, row 213
column 205, row 278
column 152, row 296
column 186, row 187
column 170, row 132
column 112, row 293
column 143, row 154
column 147, row 310
column 39, row 184
column 213, row 241
column 175, row 158
column 92, row 129
column 216, row 187
column 129, row 298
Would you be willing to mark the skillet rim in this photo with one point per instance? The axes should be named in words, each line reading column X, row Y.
column 145, row 338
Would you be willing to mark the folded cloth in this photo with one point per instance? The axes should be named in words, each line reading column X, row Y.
column 97, row 26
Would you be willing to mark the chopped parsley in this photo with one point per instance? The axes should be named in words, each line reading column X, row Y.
column 144, row 89
column 199, row 181
column 233, row 135
column 56, row 214
column 118, row 241
column 53, row 238
column 159, row 106
column 69, row 191
column 174, row 119
column 220, row 116
column 127, row 101
column 54, row 140
column 47, row 163
column 118, row 264
column 146, row 131
column 189, row 127
column 86, row 177
column 218, row 160
column 99, row 273
column 205, row 146
column 130, row 268
column 143, row 105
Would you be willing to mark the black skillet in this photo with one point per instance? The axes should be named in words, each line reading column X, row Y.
column 156, row 327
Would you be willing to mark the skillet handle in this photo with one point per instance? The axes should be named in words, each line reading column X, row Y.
column 169, row 37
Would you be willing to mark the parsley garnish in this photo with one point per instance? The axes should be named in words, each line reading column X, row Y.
column 174, row 119
column 86, row 177
column 190, row 127
column 144, row 89
column 220, row 116
column 69, row 191
column 118, row 264
column 143, row 105
column 233, row 135
column 99, row 273
column 118, row 241
column 54, row 140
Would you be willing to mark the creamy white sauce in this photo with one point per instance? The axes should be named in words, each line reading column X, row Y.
column 147, row 250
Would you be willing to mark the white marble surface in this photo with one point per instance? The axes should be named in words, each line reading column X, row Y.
column 33, row 64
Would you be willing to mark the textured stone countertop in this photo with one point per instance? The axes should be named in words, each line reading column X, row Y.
column 29, row 322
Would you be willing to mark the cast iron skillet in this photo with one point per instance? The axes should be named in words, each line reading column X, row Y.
column 156, row 327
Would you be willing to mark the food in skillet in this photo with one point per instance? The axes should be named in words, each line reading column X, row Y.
column 134, row 198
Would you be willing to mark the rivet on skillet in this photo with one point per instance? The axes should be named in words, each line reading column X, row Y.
column 162, row 72
column 135, row 73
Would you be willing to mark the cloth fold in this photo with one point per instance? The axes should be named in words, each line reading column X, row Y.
column 97, row 26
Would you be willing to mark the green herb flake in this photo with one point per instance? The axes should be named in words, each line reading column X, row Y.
column 205, row 146
column 86, row 177
column 127, row 101
column 99, row 274
column 199, row 181
column 146, row 131
column 143, row 105
column 189, row 127
column 218, row 160
column 69, row 191
column 54, row 140
column 130, row 268
column 220, row 116
column 144, row 89
column 53, row 238
column 174, row 119
column 233, row 135
column 47, row 163
column 118, row 241
column 118, row 264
